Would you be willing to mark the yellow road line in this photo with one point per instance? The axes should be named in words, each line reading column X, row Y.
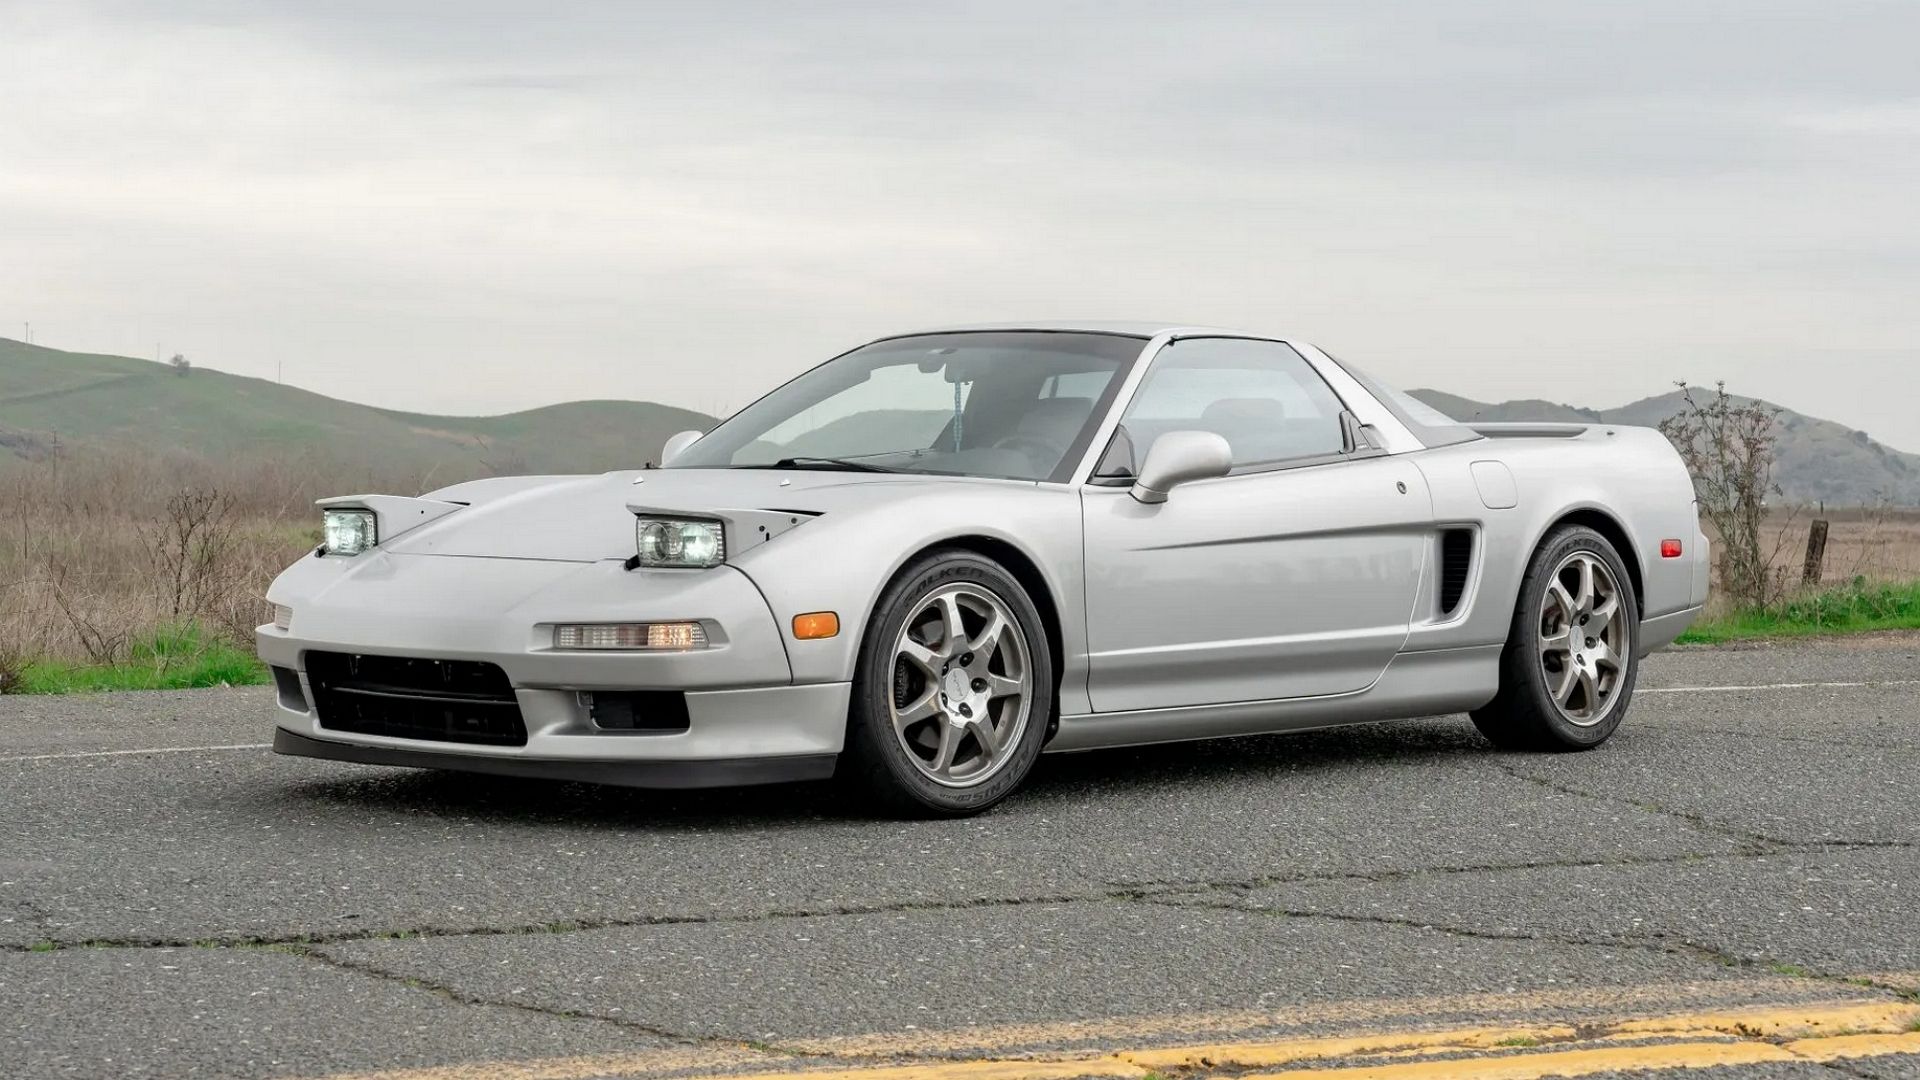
column 1835, row 1047
column 1876, row 1016
column 1695, row 1055
column 1813, row 1032
column 1363, row 1014
column 1253, row 1055
column 1096, row 1068
column 1690, row 1055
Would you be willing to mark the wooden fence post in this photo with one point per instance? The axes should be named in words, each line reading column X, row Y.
column 1816, row 553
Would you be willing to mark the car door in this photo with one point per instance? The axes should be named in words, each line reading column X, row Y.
column 1293, row 576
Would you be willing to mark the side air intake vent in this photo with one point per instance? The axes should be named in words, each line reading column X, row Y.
column 1456, row 562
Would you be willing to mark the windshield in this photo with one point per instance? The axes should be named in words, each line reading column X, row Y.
column 1020, row 404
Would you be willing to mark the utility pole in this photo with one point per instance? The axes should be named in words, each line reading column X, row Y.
column 29, row 333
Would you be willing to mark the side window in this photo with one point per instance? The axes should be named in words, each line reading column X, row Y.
column 1261, row 396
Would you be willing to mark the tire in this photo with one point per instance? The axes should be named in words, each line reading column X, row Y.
column 1562, row 693
column 991, row 699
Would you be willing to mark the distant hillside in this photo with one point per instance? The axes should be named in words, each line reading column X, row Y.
column 1819, row 460
column 77, row 401
column 50, row 398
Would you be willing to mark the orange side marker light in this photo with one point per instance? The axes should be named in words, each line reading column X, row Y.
column 816, row 624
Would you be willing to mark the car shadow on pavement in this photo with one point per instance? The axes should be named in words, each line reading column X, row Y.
column 1057, row 783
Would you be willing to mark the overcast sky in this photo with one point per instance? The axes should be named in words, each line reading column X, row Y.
column 483, row 206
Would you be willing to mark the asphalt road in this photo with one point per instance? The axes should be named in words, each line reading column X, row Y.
column 176, row 901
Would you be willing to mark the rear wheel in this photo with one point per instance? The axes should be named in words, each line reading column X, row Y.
column 953, row 689
column 1568, row 671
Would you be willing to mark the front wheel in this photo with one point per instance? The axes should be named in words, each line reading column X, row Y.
column 1568, row 671
column 953, row 689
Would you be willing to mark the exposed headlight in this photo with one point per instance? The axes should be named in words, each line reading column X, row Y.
column 677, row 542
column 348, row 532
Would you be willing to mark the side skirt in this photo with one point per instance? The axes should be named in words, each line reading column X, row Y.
column 1431, row 683
column 1659, row 631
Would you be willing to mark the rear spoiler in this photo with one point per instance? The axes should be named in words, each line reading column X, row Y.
column 1532, row 430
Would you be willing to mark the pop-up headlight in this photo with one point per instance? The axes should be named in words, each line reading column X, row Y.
column 676, row 542
column 348, row 531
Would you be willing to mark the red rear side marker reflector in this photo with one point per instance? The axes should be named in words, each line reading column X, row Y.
column 1670, row 549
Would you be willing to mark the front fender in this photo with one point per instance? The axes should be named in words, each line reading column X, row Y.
column 844, row 559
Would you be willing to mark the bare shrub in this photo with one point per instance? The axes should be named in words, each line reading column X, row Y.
column 101, row 630
column 1728, row 447
column 195, row 535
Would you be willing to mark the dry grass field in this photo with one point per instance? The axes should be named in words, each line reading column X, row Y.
column 121, row 560
column 127, row 570
column 1878, row 544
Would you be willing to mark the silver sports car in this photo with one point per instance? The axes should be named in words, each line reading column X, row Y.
column 929, row 560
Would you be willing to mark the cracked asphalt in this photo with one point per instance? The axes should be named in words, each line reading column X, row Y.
column 176, row 903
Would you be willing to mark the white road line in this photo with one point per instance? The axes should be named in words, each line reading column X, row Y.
column 1777, row 686
column 1643, row 690
column 134, row 753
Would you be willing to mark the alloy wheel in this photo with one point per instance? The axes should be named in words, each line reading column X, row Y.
column 1584, row 646
column 962, row 691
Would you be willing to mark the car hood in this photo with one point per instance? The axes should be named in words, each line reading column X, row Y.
column 589, row 518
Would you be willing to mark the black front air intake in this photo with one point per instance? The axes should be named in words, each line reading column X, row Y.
column 459, row 701
column 1456, row 563
column 657, row 712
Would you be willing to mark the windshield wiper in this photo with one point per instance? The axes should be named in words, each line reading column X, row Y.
column 846, row 464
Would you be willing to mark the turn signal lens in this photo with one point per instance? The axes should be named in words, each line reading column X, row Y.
column 664, row 636
column 1670, row 549
column 816, row 624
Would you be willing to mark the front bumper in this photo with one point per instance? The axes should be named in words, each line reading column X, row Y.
column 731, row 772
column 745, row 720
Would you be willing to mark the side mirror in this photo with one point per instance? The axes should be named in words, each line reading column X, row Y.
column 1178, row 457
column 678, row 444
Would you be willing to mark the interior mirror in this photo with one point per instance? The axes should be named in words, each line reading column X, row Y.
column 677, row 445
column 1178, row 457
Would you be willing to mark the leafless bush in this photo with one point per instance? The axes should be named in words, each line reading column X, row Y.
column 1728, row 447
column 102, row 631
column 195, row 536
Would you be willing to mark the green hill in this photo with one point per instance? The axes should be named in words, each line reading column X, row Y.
column 61, row 401
column 1819, row 461
column 52, row 399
